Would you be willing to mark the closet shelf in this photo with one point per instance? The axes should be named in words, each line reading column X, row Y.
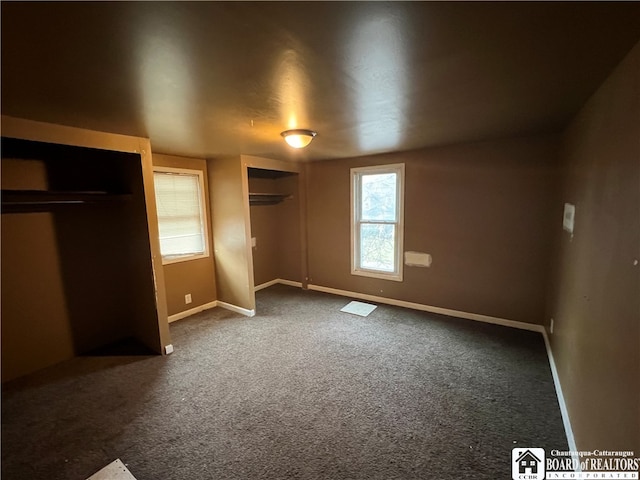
column 267, row 198
column 17, row 201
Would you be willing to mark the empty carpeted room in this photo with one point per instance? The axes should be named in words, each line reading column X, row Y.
column 320, row 240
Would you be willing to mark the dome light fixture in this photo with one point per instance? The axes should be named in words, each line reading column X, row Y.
column 299, row 137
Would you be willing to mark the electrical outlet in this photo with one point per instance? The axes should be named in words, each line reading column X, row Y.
column 551, row 326
column 187, row 298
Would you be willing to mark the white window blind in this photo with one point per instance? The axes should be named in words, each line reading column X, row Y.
column 181, row 221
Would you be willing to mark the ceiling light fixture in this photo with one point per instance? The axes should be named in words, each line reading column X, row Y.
column 299, row 137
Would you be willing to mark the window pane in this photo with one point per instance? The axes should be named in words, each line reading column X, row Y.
column 377, row 247
column 379, row 197
column 377, row 226
column 179, row 214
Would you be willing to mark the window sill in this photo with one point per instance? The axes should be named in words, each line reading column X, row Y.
column 185, row 258
column 395, row 277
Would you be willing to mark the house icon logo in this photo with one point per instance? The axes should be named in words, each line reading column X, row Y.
column 527, row 463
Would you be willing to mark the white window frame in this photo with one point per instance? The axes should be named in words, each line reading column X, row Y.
column 356, row 174
column 166, row 260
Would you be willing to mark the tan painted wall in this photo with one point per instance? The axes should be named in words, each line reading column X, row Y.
column 196, row 277
column 231, row 214
column 483, row 211
column 153, row 333
column 264, row 228
column 35, row 326
column 229, row 196
column 277, row 231
column 288, row 224
column 596, row 339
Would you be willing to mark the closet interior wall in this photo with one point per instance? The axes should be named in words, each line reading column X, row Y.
column 76, row 277
column 276, row 227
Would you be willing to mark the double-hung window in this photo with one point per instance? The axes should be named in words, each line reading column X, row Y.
column 181, row 214
column 377, row 213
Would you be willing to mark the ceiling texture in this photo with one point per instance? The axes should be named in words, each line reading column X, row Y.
column 206, row 79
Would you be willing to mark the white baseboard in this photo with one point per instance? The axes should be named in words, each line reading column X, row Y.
column 228, row 306
column 428, row 308
column 264, row 285
column 192, row 311
column 234, row 308
column 281, row 281
column 291, row 283
column 563, row 406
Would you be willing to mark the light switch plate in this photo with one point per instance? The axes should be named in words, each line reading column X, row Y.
column 569, row 217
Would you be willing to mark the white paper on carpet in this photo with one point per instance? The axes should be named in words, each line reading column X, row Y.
column 116, row 470
column 358, row 308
